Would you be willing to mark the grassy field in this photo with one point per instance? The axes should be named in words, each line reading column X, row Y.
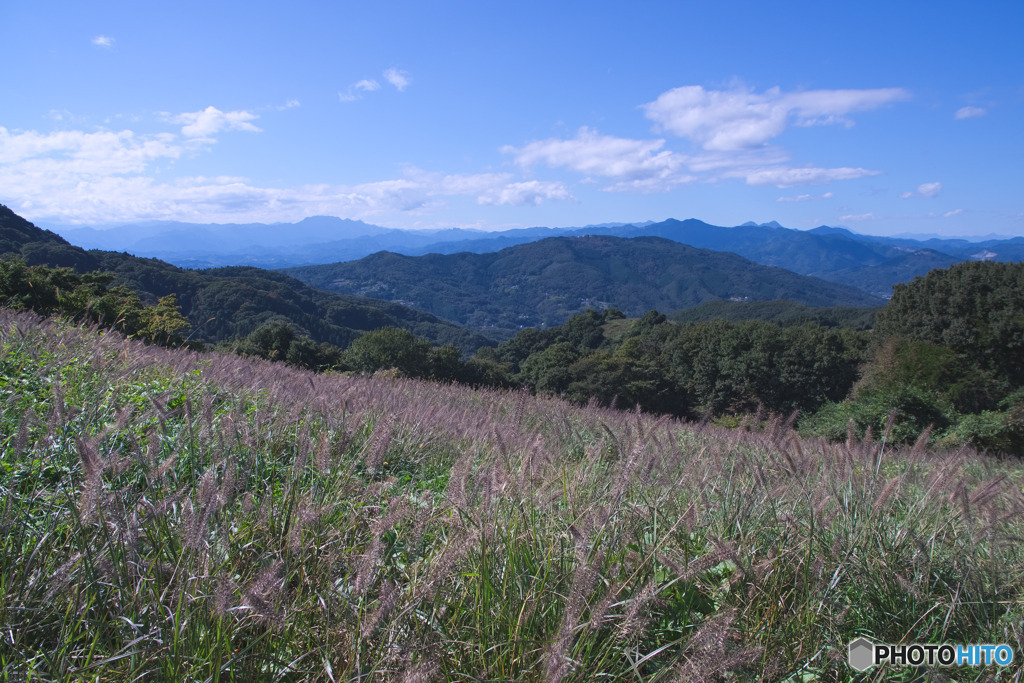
column 173, row 516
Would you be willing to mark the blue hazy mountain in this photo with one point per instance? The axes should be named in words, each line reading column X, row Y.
column 836, row 254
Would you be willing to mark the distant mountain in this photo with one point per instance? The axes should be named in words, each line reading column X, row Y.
column 871, row 263
column 545, row 282
column 228, row 302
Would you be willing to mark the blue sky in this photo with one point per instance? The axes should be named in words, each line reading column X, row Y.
column 885, row 117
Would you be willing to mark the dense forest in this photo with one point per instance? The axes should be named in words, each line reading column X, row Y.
column 945, row 359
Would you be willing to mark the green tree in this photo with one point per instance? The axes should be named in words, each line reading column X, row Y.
column 164, row 323
column 548, row 371
column 975, row 308
column 270, row 341
column 390, row 348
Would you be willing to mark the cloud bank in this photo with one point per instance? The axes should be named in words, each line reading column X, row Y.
column 729, row 132
column 732, row 120
column 111, row 176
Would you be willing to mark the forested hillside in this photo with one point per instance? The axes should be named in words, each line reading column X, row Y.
column 868, row 262
column 231, row 303
column 944, row 360
column 545, row 282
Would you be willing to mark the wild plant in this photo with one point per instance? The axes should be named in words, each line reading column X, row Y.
column 169, row 515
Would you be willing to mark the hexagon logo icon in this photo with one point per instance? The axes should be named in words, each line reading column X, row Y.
column 862, row 654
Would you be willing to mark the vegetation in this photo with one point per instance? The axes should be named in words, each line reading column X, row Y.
column 90, row 298
column 226, row 304
column 714, row 368
column 546, row 282
column 170, row 515
column 945, row 357
column 949, row 357
column 785, row 313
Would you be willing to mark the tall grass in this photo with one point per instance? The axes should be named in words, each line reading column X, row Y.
column 176, row 516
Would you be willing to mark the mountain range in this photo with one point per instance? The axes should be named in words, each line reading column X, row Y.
column 231, row 302
column 873, row 264
column 543, row 283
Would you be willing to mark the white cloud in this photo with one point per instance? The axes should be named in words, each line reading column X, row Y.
column 969, row 113
column 805, row 197
column 533, row 192
column 859, row 217
column 954, row 212
column 397, row 78
column 604, row 155
column 923, row 190
column 731, row 131
column 732, row 120
column 205, row 123
column 106, row 176
column 100, row 153
column 103, row 41
column 792, row 177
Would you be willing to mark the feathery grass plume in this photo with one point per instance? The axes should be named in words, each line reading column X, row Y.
column 379, row 442
column 633, row 623
column 456, row 492
column 59, row 415
column 422, row 672
column 92, row 481
column 397, row 510
column 92, row 461
column 61, row 577
column 201, row 509
column 600, row 611
column 389, row 592
column 558, row 664
column 921, row 444
column 890, row 420
column 494, row 483
column 322, row 454
column 222, row 596
column 702, row 563
column 258, row 592
column 705, row 646
column 887, row 492
column 519, row 407
column 441, row 568
column 24, row 424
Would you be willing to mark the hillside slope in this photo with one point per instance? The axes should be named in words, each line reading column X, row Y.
column 231, row 302
column 171, row 516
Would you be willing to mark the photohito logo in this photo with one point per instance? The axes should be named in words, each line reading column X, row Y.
column 864, row 654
